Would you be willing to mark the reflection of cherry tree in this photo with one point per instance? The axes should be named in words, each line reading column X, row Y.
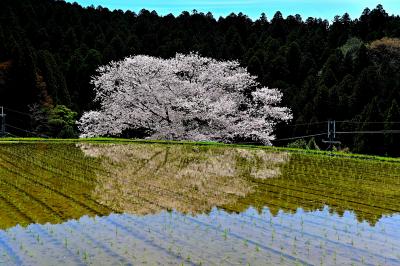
column 145, row 178
column 187, row 97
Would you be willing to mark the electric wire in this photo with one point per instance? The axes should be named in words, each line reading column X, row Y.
column 305, row 124
column 301, row 137
column 366, row 122
column 10, row 134
column 26, row 131
column 282, row 126
column 17, row 112
column 369, row 132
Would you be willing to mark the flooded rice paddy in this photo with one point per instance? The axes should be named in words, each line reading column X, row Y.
column 157, row 204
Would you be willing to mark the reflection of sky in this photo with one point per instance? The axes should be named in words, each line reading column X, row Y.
column 253, row 8
column 215, row 238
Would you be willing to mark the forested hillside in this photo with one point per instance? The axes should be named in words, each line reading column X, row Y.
column 347, row 69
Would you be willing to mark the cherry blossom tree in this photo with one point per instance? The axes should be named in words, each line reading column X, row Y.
column 187, row 97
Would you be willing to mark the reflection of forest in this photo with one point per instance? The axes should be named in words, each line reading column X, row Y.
column 144, row 178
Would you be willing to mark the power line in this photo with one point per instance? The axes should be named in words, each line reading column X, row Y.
column 342, row 132
column 10, row 134
column 370, row 132
column 305, row 124
column 372, row 122
column 27, row 131
column 18, row 112
column 343, row 121
column 301, row 137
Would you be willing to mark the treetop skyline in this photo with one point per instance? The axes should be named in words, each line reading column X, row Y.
column 252, row 8
column 347, row 71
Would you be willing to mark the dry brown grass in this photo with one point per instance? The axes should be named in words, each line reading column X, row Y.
column 390, row 43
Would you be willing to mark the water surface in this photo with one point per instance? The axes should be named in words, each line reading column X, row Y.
column 129, row 204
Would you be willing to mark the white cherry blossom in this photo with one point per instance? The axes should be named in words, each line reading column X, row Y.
column 187, row 97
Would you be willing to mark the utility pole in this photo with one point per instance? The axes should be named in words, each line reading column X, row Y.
column 331, row 134
column 331, row 130
column 2, row 122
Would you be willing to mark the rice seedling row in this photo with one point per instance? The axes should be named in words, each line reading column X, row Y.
column 31, row 183
column 106, row 203
column 60, row 187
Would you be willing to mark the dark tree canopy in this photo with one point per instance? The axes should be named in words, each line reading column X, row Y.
column 345, row 70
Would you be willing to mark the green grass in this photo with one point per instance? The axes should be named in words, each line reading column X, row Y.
column 201, row 143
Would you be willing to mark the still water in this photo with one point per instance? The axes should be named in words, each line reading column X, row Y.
column 130, row 204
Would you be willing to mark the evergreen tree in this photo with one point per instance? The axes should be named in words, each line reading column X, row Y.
column 54, row 78
column 255, row 67
column 293, row 59
column 392, row 141
column 369, row 143
column 324, row 69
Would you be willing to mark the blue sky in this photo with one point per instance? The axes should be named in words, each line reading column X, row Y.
column 326, row 9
